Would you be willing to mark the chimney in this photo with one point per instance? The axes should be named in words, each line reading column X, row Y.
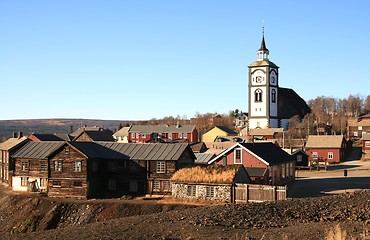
column 20, row 135
column 14, row 135
column 71, row 129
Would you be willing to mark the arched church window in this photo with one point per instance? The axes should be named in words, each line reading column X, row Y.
column 258, row 95
column 273, row 96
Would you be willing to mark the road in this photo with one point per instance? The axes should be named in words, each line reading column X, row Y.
column 332, row 181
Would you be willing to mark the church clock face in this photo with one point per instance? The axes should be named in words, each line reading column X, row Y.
column 272, row 79
column 258, row 79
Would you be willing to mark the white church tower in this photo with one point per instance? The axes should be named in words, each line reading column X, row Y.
column 263, row 89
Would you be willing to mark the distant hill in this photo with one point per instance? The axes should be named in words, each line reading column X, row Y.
column 29, row 126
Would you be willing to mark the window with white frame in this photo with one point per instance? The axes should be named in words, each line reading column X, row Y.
column 161, row 167
column 156, row 185
column 238, row 156
column 24, row 181
column 43, row 182
column 25, row 165
column 367, row 144
column 360, row 128
column 299, row 158
column 355, row 134
column 330, row 155
column 43, row 165
column 58, row 164
column 77, row 166
column 210, row 192
column 315, row 155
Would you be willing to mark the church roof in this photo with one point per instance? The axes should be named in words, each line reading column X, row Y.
column 263, row 45
column 263, row 63
column 291, row 104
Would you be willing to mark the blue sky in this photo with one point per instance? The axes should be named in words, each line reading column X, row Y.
column 134, row 60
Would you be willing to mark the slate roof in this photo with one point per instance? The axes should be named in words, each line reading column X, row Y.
column 38, row 150
column 149, row 152
column 161, row 129
column 291, row 104
column 104, row 135
column 204, row 158
column 324, row 141
column 267, row 151
column 11, row 143
column 81, row 129
column 51, row 137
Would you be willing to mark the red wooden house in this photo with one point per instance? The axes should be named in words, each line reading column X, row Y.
column 278, row 164
column 325, row 148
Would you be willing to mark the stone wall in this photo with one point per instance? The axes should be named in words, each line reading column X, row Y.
column 221, row 192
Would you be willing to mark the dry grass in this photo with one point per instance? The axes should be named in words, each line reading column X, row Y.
column 213, row 174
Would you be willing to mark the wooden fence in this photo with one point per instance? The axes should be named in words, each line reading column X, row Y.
column 247, row 193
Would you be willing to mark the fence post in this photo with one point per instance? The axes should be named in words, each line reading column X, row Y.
column 274, row 194
column 247, row 193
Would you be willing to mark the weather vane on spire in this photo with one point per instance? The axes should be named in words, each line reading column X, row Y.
column 263, row 27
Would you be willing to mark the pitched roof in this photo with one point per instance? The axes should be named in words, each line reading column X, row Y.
column 263, row 63
column 148, row 152
column 95, row 150
column 218, row 147
column 50, row 137
column 204, row 158
column 11, row 143
column 38, row 150
column 161, row 128
column 227, row 130
column 267, row 152
column 104, row 135
column 265, row 131
column 81, row 129
column 324, row 141
column 291, row 104
column 123, row 132
column 263, row 45
column 354, row 122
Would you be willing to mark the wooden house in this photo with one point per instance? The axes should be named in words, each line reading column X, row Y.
column 357, row 127
column 301, row 158
column 213, row 183
column 94, row 136
column 265, row 133
column 121, row 135
column 7, row 149
column 326, row 148
column 279, row 165
column 31, row 171
column 366, row 146
column 218, row 131
column 159, row 160
column 162, row 133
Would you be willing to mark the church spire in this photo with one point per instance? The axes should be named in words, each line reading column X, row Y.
column 263, row 52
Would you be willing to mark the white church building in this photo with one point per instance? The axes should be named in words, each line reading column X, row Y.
column 270, row 106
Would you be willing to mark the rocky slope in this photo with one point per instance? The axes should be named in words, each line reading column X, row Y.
column 343, row 216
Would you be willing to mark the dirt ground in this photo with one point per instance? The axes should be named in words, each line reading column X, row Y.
column 322, row 205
